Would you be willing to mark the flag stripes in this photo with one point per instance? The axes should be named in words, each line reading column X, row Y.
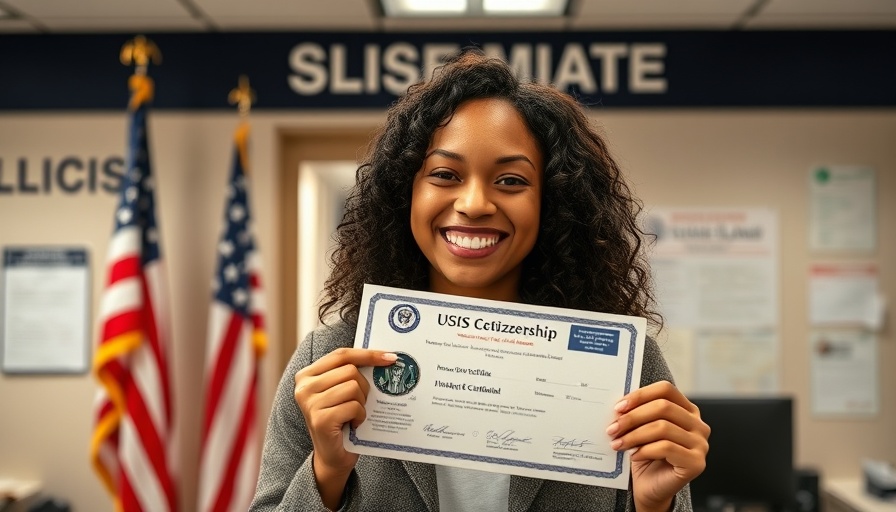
column 236, row 341
column 134, row 426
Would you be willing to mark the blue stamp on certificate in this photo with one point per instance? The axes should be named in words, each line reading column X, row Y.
column 585, row 338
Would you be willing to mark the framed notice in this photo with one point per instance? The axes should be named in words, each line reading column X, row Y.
column 45, row 313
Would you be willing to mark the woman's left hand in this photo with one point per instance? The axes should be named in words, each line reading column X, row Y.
column 671, row 442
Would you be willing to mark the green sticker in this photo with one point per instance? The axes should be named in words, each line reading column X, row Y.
column 822, row 175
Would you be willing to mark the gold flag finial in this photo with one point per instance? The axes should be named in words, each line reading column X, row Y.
column 243, row 96
column 139, row 51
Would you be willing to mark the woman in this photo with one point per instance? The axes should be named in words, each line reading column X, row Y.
column 483, row 186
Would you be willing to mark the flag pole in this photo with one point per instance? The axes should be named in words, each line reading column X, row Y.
column 140, row 51
column 243, row 97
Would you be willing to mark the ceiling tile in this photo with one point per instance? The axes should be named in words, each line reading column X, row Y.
column 15, row 26
column 99, row 9
column 359, row 15
column 828, row 7
column 316, row 23
column 128, row 24
column 658, row 8
column 820, row 21
column 292, row 10
column 289, row 14
column 653, row 22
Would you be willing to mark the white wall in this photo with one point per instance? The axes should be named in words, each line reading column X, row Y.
column 674, row 158
column 46, row 421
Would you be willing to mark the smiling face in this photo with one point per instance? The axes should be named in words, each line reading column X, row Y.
column 476, row 201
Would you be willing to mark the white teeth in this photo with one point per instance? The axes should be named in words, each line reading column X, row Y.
column 472, row 243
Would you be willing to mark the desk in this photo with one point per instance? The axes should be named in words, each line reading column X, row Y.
column 848, row 495
column 15, row 494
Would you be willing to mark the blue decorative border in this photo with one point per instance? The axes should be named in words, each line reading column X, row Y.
column 501, row 311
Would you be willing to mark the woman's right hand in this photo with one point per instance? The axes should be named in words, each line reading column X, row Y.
column 330, row 393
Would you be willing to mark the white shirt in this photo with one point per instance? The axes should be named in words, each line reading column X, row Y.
column 462, row 490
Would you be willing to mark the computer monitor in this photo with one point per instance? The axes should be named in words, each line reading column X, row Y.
column 749, row 467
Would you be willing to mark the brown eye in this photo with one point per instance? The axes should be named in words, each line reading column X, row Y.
column 442, row 175
column 511, row 181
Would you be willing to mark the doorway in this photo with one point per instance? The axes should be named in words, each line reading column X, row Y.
column 323, row 163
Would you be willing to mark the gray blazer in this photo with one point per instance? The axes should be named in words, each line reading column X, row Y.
column 286, row 481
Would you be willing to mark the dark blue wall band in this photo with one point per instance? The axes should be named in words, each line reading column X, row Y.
column 362, row 70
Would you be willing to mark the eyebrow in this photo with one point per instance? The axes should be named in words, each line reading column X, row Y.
column 502, row 160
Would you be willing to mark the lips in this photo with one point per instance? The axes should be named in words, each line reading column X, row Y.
column 472, row 242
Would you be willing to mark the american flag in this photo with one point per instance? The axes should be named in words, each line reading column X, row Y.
column 236, row 341
column 131, row 448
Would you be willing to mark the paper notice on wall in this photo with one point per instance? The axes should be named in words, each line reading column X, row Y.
column 737, row 362
column 844, row 372
column 45, row 313
column 715, row 268
column 842, row 204
column 715, row 272
column 845, row 294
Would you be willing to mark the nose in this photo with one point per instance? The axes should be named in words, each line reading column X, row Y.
column 474, row 200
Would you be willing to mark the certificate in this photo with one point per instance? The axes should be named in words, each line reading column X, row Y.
column 496, row 386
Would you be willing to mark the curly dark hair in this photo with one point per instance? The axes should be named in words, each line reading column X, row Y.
column 588, row 254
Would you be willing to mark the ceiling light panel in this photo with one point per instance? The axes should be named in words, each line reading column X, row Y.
column 473, row 8
column 399, row 8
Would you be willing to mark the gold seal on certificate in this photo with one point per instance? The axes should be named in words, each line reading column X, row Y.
column 496, row 386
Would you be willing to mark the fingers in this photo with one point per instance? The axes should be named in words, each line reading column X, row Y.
column 331, row 392
column 328, row 421
column 342, row 356
column 661, row 423
column 341, row 391
column 658, row 401
column 662, row 389
column 653, row 431
column 333, row 369
column 688, row 463
column 309, row 385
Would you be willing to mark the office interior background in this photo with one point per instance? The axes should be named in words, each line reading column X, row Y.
column 63, row 98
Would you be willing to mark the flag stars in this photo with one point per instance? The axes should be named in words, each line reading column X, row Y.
column 240, row 297
column 148, row 183
column 131, row 194
column 124, row 215
column 231, row 273
column 225, row 248
column 237, row 213
column 244, row 238
column 152, row 235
